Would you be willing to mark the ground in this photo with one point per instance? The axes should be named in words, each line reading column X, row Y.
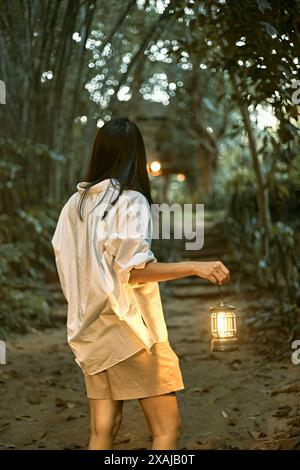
column 234, row 400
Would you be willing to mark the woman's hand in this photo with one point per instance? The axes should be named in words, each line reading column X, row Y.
column 214, row 271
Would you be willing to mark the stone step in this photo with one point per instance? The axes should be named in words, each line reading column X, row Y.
column 205, row 253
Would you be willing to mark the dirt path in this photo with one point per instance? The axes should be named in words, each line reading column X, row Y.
column 232, row 400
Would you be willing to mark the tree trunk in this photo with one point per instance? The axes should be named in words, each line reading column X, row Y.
column 262, row 194
column 206, row 170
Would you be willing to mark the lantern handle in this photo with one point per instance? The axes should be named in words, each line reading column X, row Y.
column 221, row 295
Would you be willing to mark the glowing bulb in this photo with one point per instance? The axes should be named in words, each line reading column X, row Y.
column 155, row 166
column 181, row 177
column 222, row 324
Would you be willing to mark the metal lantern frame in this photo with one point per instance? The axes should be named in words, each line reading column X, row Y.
column 225, row 340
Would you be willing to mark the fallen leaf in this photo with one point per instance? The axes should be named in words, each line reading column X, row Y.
column 221, row 397
column 123, row 440
column 4, row 426
column 47, row 380
column 10, row 446
column 60, row 403
column 202, row 389
column 25, row 418
column 257, row 434
column 286, row 389
column 290, row 444
column 70, row 417
column 235, row 364
column 212, row 444
column 71, row 405
column 74, row 445
column 295, row 422
column 28, row 442
column 39, row 436
column 231, row 421
column 14, row 373
column 192, row 446
column 34, row 398
column 266, row 445
column 282, row 411
column 5, row 376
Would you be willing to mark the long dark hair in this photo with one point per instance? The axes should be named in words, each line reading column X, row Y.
column 119, row 153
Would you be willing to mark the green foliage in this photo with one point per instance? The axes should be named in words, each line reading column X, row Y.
column 26, row 258
column 20, row 311
column 26, row 262
column 27, row 171
column 279, row 269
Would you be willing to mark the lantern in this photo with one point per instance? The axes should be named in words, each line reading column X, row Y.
column 223, row 328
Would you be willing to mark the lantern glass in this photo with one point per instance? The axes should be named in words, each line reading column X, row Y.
column 223, row 328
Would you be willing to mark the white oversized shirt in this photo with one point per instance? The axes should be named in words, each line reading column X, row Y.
column 109, row 319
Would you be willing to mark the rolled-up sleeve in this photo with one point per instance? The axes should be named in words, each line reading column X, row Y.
column 129, row 244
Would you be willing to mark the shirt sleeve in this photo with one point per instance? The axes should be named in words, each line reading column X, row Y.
column 129, row 242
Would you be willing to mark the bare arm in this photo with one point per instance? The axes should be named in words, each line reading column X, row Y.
column 214, row 271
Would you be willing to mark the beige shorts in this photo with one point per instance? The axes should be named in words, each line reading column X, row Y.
column 141, row 375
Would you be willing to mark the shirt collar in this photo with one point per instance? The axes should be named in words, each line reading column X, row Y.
column 101, row 186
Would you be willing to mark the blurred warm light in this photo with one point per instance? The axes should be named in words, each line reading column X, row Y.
column 154, row 168
column 180, row 177
column 223, row 328
column 222, row 325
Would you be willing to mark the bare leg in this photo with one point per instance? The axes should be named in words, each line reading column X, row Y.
column 105, row 422
column 162, row 414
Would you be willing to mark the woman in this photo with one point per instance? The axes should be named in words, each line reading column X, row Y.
column 109, row 277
